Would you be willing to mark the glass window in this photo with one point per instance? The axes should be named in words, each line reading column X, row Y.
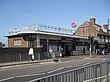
column 78, row 48
column 106, row 39
column 97, row 28
column 17, row 42
column 105, row 30
column 102, row 37
column 54, row 48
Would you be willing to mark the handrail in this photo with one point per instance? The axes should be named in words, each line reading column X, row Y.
column 78, row 68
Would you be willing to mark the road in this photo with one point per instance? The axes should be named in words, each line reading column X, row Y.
column 32, row 71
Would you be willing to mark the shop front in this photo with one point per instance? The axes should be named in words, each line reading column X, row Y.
column 70, row 45
column 56, row 43
column 67, row 45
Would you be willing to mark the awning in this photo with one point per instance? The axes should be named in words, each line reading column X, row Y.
column 101, row 44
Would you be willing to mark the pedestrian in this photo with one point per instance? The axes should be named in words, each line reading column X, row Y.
column 51, row 52
column 84, row 51
column 31, row 54
column 98, row 51
column 62, row 52
column 53, row 56
column 60, row 56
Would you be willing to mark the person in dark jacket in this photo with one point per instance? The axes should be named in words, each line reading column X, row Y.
column 84, row 51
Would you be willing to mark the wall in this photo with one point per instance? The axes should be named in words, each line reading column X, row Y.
column 19, row 54
column 11, row 42
column 85, row 30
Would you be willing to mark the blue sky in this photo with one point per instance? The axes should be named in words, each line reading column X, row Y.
column 14, row 13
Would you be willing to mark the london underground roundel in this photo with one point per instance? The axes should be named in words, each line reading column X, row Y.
column 73, row 25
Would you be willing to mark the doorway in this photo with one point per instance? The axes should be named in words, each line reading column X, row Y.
column 67, row 51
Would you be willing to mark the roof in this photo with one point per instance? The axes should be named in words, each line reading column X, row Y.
column 102, row 33
column 44, row 29
column 46, row 33
column 89, row 24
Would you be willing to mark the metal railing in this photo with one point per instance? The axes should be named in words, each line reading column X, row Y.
column 41, row 27
column 97, row 72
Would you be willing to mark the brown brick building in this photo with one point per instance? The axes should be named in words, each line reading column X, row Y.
column 100, row 35
column 17, row 41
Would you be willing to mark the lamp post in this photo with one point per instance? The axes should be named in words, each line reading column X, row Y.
column 108, row 35
column 108, row 23
column 90, row 42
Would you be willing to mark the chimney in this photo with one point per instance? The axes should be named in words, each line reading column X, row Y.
column 92, row 20
column 105, row 26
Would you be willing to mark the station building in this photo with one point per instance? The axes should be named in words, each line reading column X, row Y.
column 48, row 37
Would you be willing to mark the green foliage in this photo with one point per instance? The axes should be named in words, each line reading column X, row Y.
column 2, row 45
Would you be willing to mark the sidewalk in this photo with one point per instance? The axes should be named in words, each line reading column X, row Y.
column 24, row 62
column 67, row 58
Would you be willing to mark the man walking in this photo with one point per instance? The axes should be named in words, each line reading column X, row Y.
column 31, row 54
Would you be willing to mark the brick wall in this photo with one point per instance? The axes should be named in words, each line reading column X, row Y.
column 11, row 42
column 86, row 30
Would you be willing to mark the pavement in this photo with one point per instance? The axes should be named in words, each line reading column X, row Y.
column 24, row 62
column 67, row 58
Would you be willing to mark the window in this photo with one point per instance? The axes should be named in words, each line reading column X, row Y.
column 97, row 28
column 105, row 30
column 54, row 48
column 106, row 39
column 102, row 38
column 17, row 42
column 80, row 48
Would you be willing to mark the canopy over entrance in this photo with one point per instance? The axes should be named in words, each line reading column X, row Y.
column 101, row 44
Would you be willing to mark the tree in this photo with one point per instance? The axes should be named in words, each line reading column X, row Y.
column 2, row 45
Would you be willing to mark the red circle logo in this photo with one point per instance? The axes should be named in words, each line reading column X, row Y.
column 73, row 25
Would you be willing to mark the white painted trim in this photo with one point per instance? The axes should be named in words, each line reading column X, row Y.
column 49, row 33
column 56, row 70
column 6, row 79
column 30, row 75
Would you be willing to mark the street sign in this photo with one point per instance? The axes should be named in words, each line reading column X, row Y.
column 73, row 25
